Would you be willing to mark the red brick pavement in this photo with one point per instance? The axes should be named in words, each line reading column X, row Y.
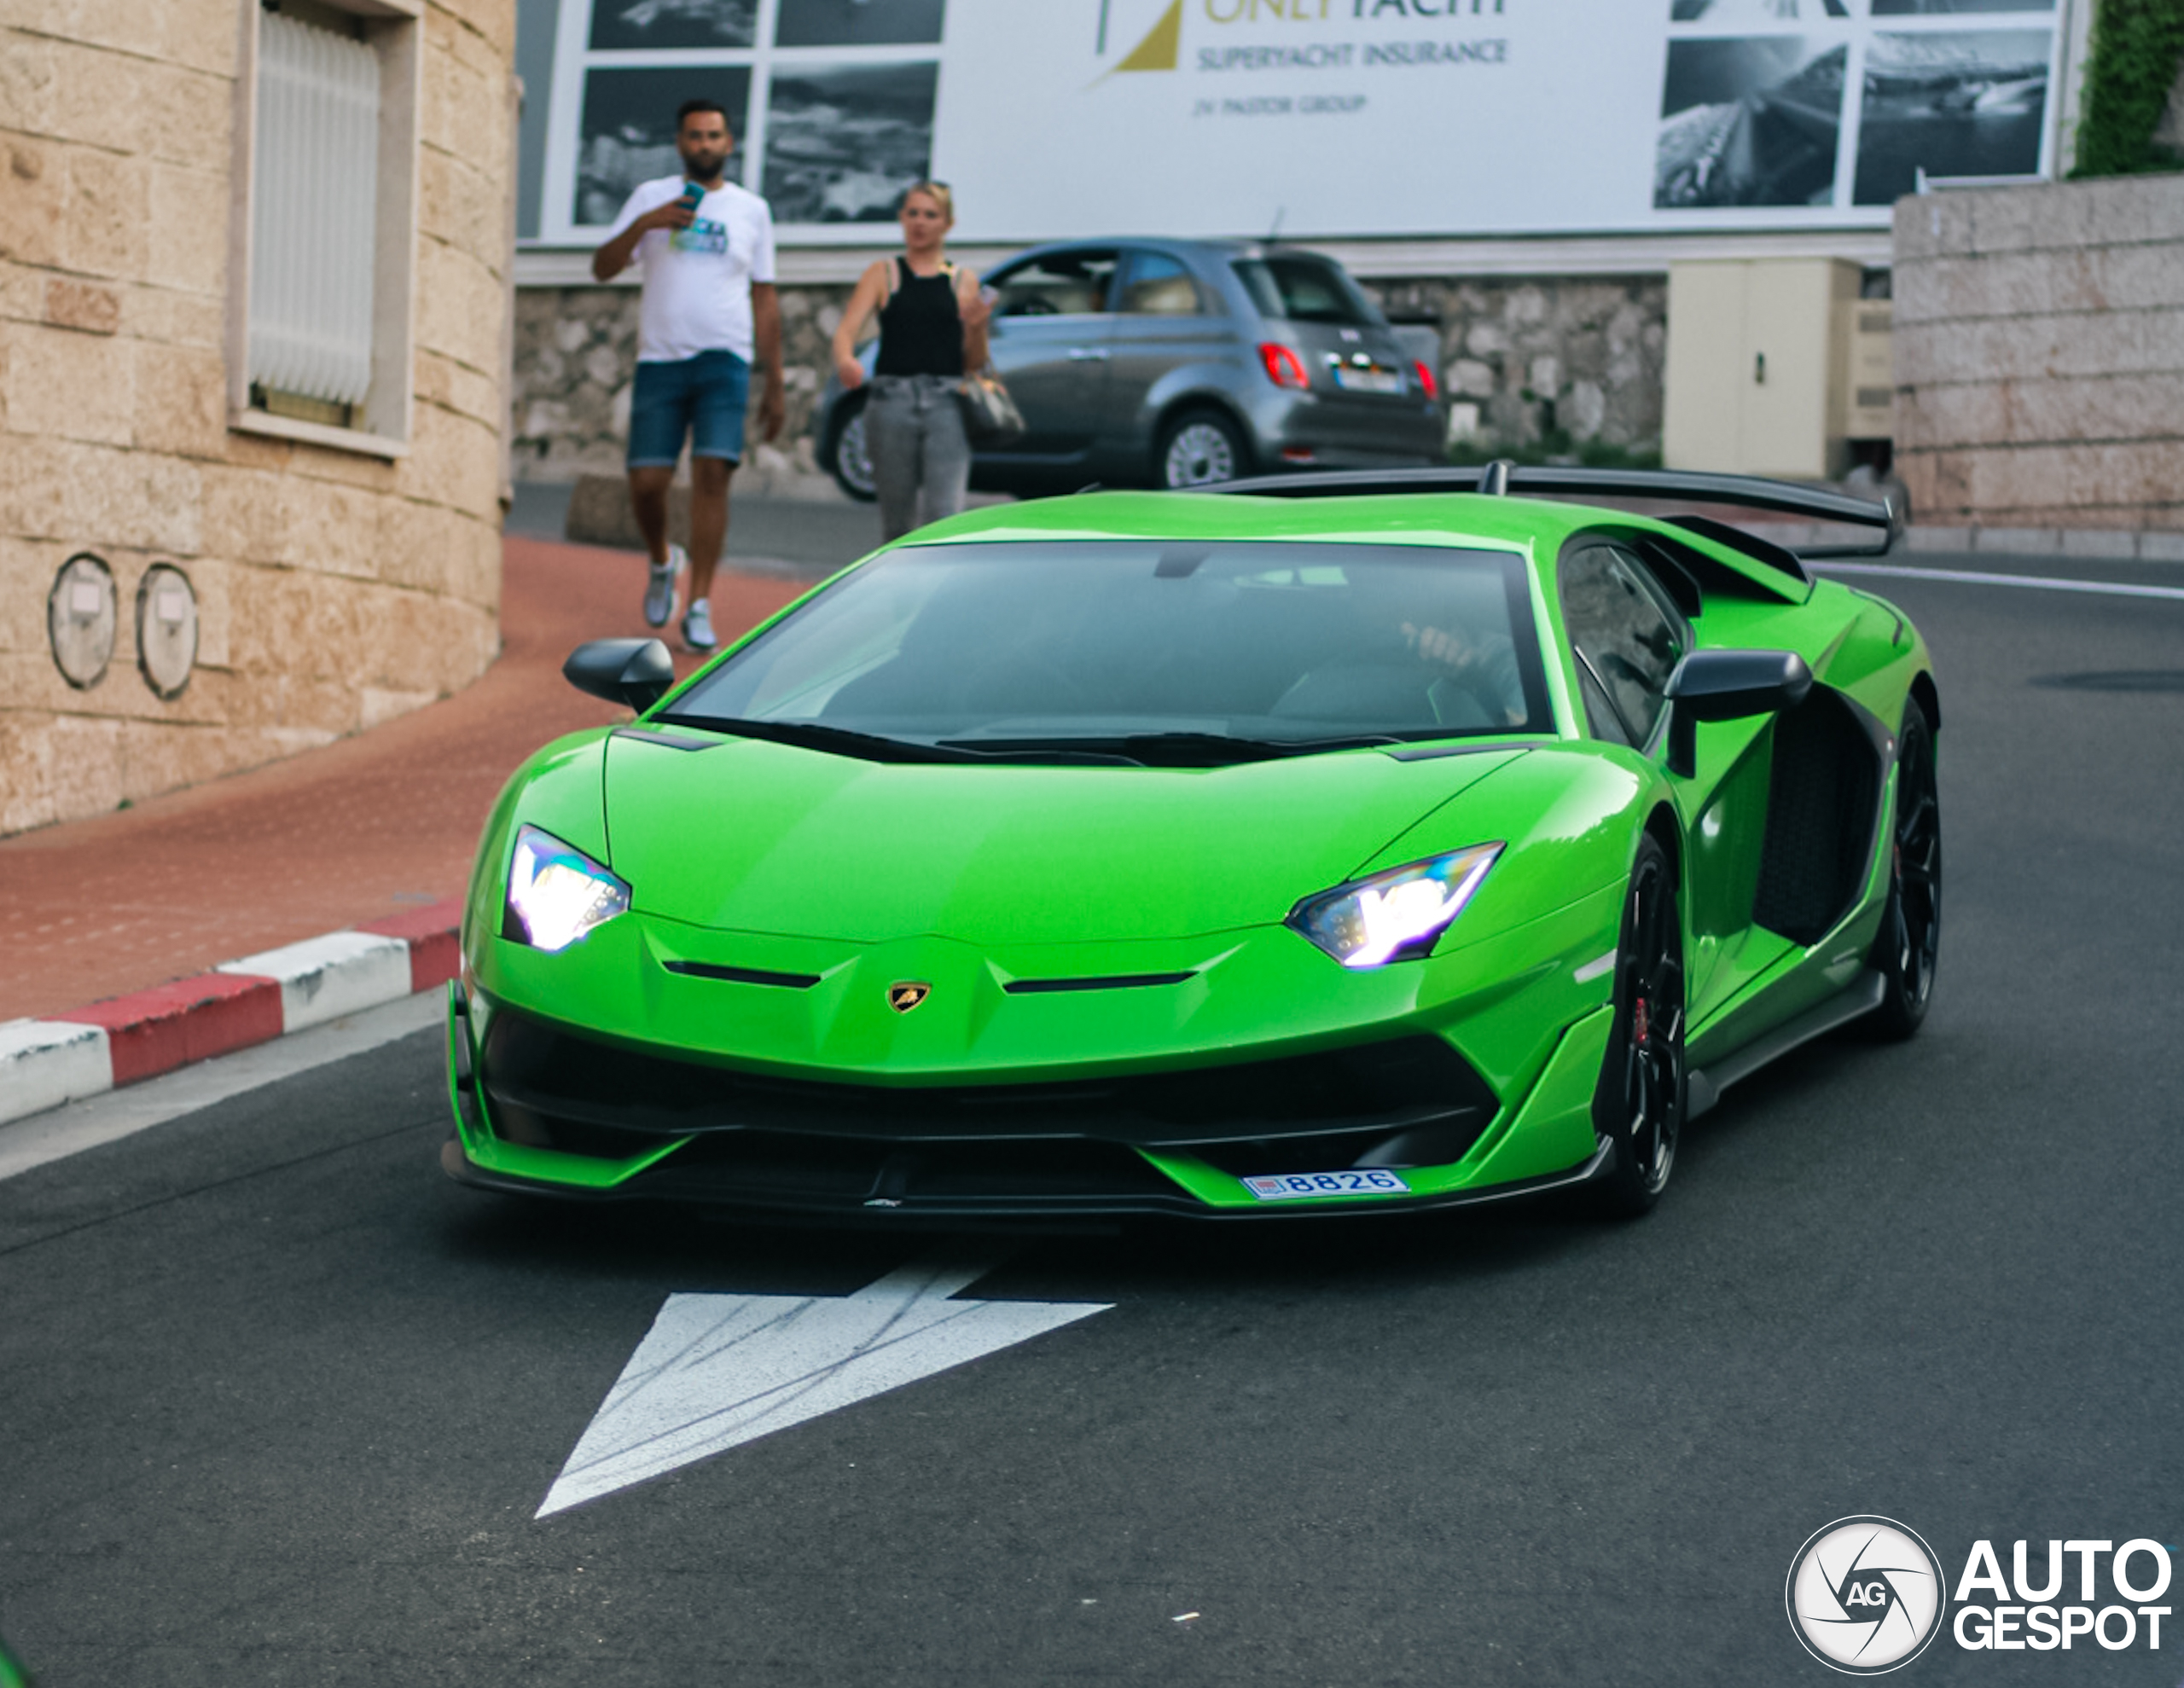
column 358, row 833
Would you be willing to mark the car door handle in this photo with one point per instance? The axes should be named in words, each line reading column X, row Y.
column 1088, row 354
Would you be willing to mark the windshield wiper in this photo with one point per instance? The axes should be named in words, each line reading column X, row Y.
column 811, row 735
column 835, row 740
column 1178, row 750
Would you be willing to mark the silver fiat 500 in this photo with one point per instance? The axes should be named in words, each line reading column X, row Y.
column 1181, row 363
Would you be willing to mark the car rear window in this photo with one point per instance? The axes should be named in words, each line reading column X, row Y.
column 1305, row 290
column 1280, row 643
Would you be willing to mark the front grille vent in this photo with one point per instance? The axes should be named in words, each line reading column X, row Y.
column 1111, row 982
column 707, row 969
column 1392, row 1086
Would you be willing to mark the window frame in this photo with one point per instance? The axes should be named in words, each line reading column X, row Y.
column 394, row 29
column 1135, row 258
column 1652, row 742
column 1001, row 279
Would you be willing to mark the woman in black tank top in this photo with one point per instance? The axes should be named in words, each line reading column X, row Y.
column 932, row 319
column 921, row 324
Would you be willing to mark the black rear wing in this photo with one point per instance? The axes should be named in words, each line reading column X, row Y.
column 1503, row 478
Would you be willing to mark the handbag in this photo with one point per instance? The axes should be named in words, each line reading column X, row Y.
column 991, row 417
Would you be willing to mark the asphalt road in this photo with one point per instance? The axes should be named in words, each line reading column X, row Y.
column 805, row 536
column 281, row 1402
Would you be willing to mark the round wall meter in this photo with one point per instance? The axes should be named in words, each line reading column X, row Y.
column 80, row 619
column 167, row 629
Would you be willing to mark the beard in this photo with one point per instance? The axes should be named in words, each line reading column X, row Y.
column 703, row 163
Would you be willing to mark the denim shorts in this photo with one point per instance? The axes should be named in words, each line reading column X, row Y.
column 703, row 396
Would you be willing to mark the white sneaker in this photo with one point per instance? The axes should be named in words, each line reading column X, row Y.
column 659, row 586
column 698, row 627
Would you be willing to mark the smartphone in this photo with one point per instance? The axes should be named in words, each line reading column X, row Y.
column 693, row 197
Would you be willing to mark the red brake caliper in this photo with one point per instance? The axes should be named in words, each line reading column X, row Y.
column 1638, row 1022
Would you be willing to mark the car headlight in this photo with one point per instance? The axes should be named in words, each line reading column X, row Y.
column 556, row 893
column 1394, row 916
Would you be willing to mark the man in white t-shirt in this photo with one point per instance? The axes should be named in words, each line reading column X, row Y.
column 705, row 247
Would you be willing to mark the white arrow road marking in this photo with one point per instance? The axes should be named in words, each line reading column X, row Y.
column 714, row 1370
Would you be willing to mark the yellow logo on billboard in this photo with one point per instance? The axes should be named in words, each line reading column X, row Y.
column 1160, row 49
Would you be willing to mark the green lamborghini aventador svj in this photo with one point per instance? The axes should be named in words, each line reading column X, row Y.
column 1327, row 845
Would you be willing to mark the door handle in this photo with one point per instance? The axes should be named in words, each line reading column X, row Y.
column 1088, row 354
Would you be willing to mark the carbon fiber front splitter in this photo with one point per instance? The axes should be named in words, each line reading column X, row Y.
column 665, row 1183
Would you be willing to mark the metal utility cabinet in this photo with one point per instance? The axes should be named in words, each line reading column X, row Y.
column 1774, row 366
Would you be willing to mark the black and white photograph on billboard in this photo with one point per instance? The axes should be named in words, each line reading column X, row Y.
column 1938, row 9
column 1741, row 14
column 859, row 23
column 1753, row 120
column 628, row 131
column 629, row 25
column 844, row 141
column 1968, row 102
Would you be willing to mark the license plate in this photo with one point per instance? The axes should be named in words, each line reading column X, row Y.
column 1350, row 379
column 1284, row 1186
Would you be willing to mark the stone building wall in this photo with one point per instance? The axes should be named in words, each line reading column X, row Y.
column 2039, row 358
column 332, row 589
column 1546, row 364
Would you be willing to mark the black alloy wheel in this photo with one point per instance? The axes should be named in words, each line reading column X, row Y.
column 1910, row 940
column 1639, row 1106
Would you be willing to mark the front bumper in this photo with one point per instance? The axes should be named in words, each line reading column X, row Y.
column 543, row 1108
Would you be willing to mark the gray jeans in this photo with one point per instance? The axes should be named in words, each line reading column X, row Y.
column 921, row 457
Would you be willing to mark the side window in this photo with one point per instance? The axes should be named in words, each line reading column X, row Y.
column 1060, row 284
column 1628, row 639
column 1600, row 714
column 1155, row 284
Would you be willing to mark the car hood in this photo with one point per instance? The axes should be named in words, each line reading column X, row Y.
column 751, row 835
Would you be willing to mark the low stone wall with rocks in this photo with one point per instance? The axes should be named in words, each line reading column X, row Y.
column 2040, row 362
column 1545, row 365
column 576, row 356
column 1552, row 364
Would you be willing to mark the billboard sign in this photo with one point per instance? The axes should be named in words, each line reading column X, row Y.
column 1327, row 119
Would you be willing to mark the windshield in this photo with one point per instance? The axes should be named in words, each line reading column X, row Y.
column 1143, row 651
column 1306, row 290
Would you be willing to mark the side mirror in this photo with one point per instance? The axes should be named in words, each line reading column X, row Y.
column 637, row 672
column 1729, row 686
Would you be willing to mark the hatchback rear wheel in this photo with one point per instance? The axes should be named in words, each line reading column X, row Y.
column 1202, row 448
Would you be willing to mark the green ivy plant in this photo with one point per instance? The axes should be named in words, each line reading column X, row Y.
column 2138, row 46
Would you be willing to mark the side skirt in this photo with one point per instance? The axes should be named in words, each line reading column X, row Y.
column 1860, row 997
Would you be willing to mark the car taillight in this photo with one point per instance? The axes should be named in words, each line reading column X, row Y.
column 1425, row 379
column 1283, row 366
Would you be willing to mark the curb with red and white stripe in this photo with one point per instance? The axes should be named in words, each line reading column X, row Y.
column 46, row 1062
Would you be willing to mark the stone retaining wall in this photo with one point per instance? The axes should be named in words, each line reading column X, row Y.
column 2039, row 358
column 576, row 354
column 1552, row 362
column 1558, row 362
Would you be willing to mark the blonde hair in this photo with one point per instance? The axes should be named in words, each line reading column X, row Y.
column 937, row 191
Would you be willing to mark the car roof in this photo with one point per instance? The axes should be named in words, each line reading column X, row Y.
column 1401, row 518
column 1535, row 527
column 1202, row 252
